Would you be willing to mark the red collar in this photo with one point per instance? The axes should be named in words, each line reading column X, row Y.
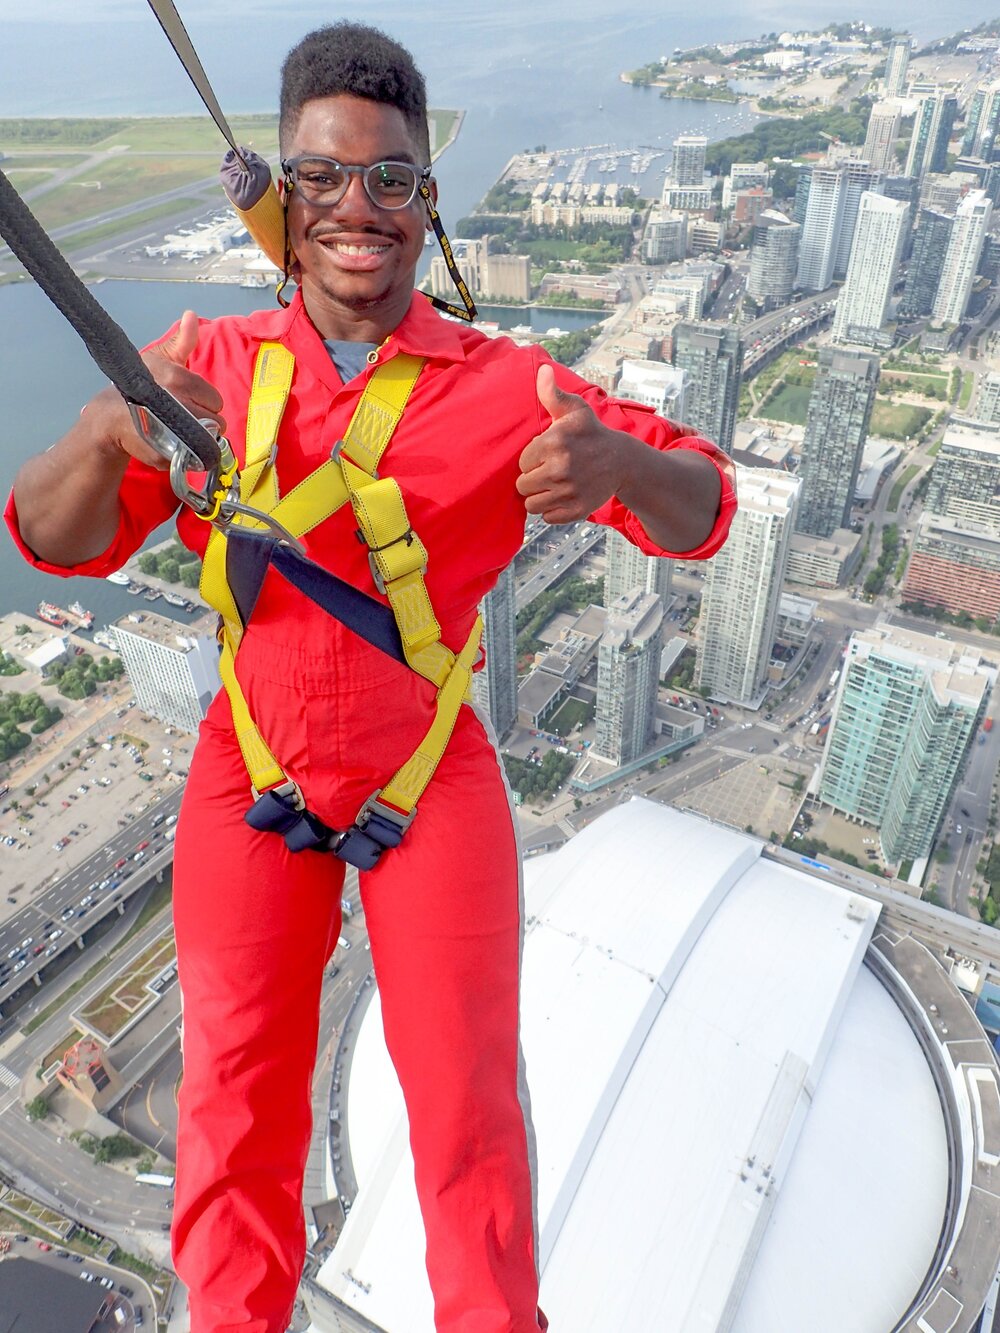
column 421, row 332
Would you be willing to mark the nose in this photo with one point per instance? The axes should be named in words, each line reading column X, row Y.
column 355, row 201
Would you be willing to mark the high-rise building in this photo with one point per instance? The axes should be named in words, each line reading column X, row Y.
column 688, row 167
column 840, row 408
column 628, row 672
column 863, row 303
column 932, row 126
column 743, row 176
column 964, row 482
column 743, row 582
column 988, row 402
column 654, row 384
column 174, row 674
column 930, row 245
column 712, row 355
column 982, row 122
column 495, row 687
column 897, row 64
column 880, row 139
column 830, row 215
column 905, row 712
column 665, row 237
column 774, row 254
column 628, row 568
column 958, row 272
column 955, row 564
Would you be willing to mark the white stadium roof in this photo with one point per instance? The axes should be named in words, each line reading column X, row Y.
column 737, row 1127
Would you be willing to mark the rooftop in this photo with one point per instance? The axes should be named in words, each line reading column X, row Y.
column 729, row 1099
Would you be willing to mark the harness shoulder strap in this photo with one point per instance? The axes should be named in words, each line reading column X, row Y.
column 397, row 559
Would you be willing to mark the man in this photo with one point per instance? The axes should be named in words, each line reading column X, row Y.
column 490, row 431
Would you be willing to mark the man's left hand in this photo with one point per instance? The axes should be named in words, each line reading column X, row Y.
column 574, row 466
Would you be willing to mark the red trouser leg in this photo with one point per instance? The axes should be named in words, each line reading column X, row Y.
column 443, row 916
column 254, row 927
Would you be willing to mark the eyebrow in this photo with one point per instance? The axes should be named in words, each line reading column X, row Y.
column 404, row 156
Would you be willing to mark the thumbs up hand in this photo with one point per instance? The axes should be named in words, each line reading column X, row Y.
column 576, row 464
column 166, row 361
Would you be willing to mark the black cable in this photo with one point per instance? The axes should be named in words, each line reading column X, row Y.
column 106, row 342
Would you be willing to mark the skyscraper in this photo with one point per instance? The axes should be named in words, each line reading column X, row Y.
column 880, row 139
column 988, row 403
column 961, row 260
column 982, row 122
column 830, row 215
column 840, row 408
column 688, row 167
column 174, row 674
column 495, row 687
column 628, row 672
column 964, row 481
column 774, row 253
column 930, row 245
column 932, row 128
column 863, row 303
column 903, row 718
column 743, row 583
column 896, row 66
column 628, row 568
column 712, row 355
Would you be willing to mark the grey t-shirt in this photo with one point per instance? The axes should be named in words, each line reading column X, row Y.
column 349, row 358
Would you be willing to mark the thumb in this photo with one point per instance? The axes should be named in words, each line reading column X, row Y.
column 556, row 401
column 182, row 342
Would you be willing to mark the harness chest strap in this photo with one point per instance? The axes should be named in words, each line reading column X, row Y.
column 396, row 556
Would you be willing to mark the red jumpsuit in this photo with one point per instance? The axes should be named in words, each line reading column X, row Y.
column 255, row 924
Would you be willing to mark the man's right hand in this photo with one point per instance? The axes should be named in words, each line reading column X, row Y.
column 167, row 363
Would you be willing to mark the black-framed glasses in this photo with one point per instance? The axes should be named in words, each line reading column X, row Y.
column 322, row 182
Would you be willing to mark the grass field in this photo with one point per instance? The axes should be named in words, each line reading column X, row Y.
column 128, row 992
column 965, row 393
column 116, row 183
column 915, row 383
column 566, row 718
column 901, row 484
column 104, row 230
column 49, row 161
column 790, row 403
column 898, row 421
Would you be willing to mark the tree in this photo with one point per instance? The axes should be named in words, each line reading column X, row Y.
column 149, row 562
column 37, row 1108
column 169, row 569
column 190, row 575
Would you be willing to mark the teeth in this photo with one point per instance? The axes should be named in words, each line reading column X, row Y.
column 359, row 249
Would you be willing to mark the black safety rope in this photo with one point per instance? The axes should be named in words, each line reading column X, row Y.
column 106, row 342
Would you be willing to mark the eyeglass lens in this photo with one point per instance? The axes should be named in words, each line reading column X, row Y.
column 324, row 182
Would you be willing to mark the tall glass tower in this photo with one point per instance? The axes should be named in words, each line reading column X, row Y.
column 907, row 708
column 840, row 408
column 712, row 354
column 495, row 687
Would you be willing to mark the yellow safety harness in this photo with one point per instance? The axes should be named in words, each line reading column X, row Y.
column 398, row 561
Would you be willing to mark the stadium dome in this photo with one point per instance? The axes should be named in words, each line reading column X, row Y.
column 757, row 1108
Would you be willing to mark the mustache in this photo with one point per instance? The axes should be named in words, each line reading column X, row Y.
column 331, row 233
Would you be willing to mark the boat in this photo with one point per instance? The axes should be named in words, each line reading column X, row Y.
column 119, row 577
column 53, row 615
column 86, row 618
column 106, row 639
column 176, row 600
column 136, row 588
column 151, row 595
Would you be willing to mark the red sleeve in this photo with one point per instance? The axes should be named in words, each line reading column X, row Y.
column 643, row 424
column 146, row 501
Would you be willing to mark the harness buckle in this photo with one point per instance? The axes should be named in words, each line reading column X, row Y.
column 409, row 536
column 377, row 828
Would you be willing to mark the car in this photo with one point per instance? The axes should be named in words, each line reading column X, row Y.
column 120, row 862
column 139, row 856
column 77, row 1258
column 958, row 828
column 28, row 939
column 87, row 1276
column 965, row 812
column 66, row 913
column 344, row 942
column 43, row 1245
column 142, row 846
column 106, row 1282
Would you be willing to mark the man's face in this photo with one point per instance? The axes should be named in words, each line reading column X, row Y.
column 357, row 260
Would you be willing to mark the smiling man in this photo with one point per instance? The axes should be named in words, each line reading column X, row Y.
column 485, row 433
